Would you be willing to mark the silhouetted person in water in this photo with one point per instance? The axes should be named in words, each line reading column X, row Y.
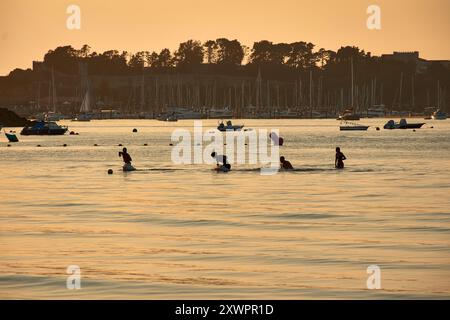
column 286, row 165
column 221, row 160
column 125, row 156
column 340, row 157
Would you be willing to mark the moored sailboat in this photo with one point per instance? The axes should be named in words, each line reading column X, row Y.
column 84, row 110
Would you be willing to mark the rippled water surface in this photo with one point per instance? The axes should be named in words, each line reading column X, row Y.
column 182, row 231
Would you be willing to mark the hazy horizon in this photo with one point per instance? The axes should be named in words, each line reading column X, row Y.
column 29, row 29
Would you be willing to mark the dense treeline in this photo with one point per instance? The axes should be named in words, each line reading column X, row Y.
column 296, row 72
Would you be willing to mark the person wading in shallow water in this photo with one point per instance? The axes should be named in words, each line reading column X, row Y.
column 127, row 160
column 340, row 157
column 285, row 165
column 222, row 161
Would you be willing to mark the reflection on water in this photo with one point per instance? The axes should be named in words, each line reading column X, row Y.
column 169, row 231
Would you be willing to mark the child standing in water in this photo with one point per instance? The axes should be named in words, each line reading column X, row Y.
column 340, row 157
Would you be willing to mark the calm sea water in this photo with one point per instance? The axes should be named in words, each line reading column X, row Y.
column 170, row 231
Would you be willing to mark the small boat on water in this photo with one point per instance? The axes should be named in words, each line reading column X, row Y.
column 229, row 127
column 403, row 124
column 11, row 136
column 83, row 117
column 351, row 126
column 172, row 118
column 44, row 128
column 168, row 117
column 348, row 115
column 439, row 115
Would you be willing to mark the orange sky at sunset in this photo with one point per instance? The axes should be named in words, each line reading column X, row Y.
column 28, row 29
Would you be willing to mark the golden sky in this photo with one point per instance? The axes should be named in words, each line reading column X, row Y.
column 29, row 28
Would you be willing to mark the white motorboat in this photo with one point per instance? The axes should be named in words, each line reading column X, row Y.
column 351, row 126
column 348, row 115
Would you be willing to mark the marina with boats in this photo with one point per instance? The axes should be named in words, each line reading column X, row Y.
column 171, row 97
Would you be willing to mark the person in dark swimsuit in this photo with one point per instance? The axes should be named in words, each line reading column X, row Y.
column 340, row 157
column 221, row 160
column 125, row 156
column 285, row 165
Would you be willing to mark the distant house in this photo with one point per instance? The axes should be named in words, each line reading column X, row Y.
column 422, row 65
column 402, row 56
column 39, row 66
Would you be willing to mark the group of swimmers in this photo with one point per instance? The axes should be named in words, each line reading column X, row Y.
column 338, row 161
column 223, row 165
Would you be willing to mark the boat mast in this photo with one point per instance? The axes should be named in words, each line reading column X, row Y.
column 374, row 93
column 39, row 96
column 438, row 95
column 142, row 92
column 53, row 91
column 301, row 93
column 400, row 93
column 352, row 84
column 243, row 107
column 310, row 93
column 258, row 90
column 278, row 97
